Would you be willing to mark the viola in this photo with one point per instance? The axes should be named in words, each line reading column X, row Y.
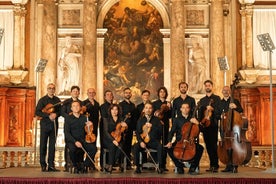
column 185, row 149
column 206, row 122
column 90, row 137
column 117, row 133
column 146, row 130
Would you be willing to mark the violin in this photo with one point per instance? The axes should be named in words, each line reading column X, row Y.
column 146, row 130
column 185, row 149
column 84, row 108
column 160, row 112
column 117, row 133
column 90, row 137
column 48, row 109
column 206, row 122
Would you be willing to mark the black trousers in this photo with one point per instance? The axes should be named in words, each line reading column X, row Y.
column 210, row 135
column 166, row 127
column 47, row 133
column 77, row 154
column 194, row 162
column 115, row 154
column 127, row 145
column 150, row 145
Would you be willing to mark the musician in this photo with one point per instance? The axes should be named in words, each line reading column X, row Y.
column 111, row 143
column 183, row 98
column 163, row 105
column 108, row 100
column 225, row 105
column 92, row 108
column 150, row 125
column 145, row 95
column 74, row 130
column 183, row 118
column 65, row 112
column 210, row 102
column 48, row 127
column 128, row 110
column 145, row 98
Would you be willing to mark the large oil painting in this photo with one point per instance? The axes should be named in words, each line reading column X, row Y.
column 133, row 49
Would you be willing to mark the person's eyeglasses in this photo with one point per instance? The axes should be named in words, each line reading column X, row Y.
column 51, row 88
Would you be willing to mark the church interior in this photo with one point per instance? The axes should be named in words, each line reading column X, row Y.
column 142, row 44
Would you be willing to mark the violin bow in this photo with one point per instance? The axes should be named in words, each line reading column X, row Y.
column 120, row 148
column 89, row 157
column 154, row 163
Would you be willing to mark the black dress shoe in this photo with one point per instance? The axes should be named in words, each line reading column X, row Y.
column 212, row 169
column 138, row 170
column 128, row 167
column 179, row 170
column 160, row 170
column 235, row 169
column 75, row 170
column 52, row 169
column 227, row 169
column 192, row 171
column 66, row 169
column 43, row 168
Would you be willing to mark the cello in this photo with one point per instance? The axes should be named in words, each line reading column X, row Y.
column 234, row 148
column 185, row 149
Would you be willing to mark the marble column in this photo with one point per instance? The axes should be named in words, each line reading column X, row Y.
column 177, row 45
column 167, row 59
column 217, row 43
column 249, row 39
column 89, row 66
column 100, row 65
column 49, row 43
column 19, row 34
column 243, row 20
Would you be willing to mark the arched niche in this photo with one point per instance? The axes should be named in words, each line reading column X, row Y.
column 160, row 6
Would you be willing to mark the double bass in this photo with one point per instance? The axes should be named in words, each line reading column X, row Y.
column 185, row 149
column 234, row 148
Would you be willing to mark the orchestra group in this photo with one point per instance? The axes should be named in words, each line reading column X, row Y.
column 160, row 128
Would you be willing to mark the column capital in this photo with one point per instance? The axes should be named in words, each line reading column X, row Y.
column 19, row 2
column 166, row 33
column 246, row 2
column 101, row 33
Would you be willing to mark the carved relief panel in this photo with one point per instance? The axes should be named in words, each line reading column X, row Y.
column 249, row 98
column 15, row 125
column 256, row 104
column 17, row 107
